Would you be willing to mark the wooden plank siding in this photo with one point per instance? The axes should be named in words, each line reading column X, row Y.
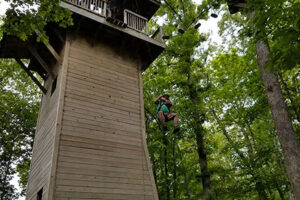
column 101, row 152
column 41, row 163
column 90, row 140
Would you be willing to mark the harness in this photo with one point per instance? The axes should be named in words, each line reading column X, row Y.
column 161, row 103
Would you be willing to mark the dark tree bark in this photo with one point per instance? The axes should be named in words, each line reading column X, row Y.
column 286, row 135
column 174, row 171
column 205, row 175
column 186, row 179
column 199, row 133
column 167, row 181
column 260, row 190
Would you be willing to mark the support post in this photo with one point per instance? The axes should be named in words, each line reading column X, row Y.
column 35, row 80
column 54, row 53
column 34, row 52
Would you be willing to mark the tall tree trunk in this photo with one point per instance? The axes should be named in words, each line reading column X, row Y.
column 154, row 171
column 252, row 136
column 186, row 180
column 286, row 135
column 167, row 185
column 205, row 175
column 199, row 132
column 174, row 171
column 260, row 190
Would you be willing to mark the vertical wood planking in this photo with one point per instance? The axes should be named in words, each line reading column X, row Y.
column 61, row 99
column 146, row 152
column 41, row 165
column 97, row 156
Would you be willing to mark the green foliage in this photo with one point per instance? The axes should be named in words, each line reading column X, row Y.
column 242, row 107
column 25, row 18
column 276, row 21
column 19, row 103
column 244, row 157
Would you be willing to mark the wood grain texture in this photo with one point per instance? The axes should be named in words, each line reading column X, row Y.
column 102, row 152
column 41, row 164
column 90, row 141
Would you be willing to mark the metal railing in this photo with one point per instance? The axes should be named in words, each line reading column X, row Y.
column 136, row 21
column 99, row 7
column 95, row 6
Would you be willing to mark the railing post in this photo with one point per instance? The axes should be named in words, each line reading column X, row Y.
column 147, row 30
column 104, row 8
column 125, row 17
column 99, row 7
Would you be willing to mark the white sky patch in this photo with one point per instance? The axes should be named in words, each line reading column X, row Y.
column 3, row 7
column 15, row 182
column 211, row 26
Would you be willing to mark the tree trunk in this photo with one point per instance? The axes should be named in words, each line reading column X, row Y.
column 204, row 167
column 199, row 132
column 174, row 171
column 260, row 190
column 167, row 182
column 286, row 135
column 186, row 179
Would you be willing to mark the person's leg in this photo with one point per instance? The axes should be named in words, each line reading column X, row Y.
column 162, row 120
column 175, row 120
column 161, row 117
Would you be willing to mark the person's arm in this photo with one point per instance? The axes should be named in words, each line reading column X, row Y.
column 157, row 98
column 168, row 102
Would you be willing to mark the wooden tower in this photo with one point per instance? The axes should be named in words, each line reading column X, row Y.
column 90, row 141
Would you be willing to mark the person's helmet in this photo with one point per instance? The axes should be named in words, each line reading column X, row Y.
column 166, row 96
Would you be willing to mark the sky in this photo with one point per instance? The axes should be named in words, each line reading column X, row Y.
column 208, row 26
column 3, row 6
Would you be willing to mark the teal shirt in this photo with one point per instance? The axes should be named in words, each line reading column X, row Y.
column 161, row 106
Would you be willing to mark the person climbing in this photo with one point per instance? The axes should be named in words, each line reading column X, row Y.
column 163, row 110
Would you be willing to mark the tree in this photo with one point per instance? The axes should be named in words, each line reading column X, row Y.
column 19, row 103
column 25, row 18
column 282, row 121
column 246, row 122
column 271, row 23
column 184, row 73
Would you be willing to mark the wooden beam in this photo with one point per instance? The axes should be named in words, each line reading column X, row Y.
column 54, row 53
column 51, row 49
column 35, row 80
column 240, row 5
column 59, row 36
column 34, row 52
column 155, row 2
